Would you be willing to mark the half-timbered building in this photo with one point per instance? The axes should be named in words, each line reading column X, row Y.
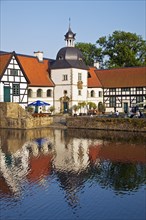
column 24, row 79
column 13, row 80
column 123, row 88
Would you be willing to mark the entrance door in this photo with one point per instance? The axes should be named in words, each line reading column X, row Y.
column 7, row 94
column 125, row 107
column 65, row 107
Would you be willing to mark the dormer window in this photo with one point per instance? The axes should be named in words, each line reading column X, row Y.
column 60, row 58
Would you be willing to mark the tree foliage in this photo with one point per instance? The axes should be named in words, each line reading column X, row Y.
column 121, row 49
column 101, row 107
column 90, row 52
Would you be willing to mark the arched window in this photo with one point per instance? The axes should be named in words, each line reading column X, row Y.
column 92, row 93
column 49, row 93
column 30, row 93
column 39, row 93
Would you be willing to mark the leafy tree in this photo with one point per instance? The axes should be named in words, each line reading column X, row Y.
column 123, row 49
column 101, row 107
column 75, row 108
column 90, row 52
column 92, row 105
column 52, row 109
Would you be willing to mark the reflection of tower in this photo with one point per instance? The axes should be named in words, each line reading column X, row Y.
column 72, row 182
column 70, row 157
column 70, row 164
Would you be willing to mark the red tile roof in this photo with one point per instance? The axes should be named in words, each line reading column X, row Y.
column 4, row 61
column 37, row 72
column 122, row 77
column 93, row 81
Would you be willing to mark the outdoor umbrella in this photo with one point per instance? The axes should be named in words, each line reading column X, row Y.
column 38, row 103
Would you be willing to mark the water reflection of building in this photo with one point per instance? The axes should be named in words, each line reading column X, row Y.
column 73, row 160
column 71, row 154
column 118, row 152
column 21, row 162
column 79, row 159
column 71, row 164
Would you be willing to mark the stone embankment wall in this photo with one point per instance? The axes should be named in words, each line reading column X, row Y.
column 12, row 115
column 115, row 124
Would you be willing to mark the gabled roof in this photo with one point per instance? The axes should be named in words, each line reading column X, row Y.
column 122, row 77
column 5, row 59
column 36, row 71
column 93, row 81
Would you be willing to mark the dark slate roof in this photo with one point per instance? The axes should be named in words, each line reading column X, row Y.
column 69, row 57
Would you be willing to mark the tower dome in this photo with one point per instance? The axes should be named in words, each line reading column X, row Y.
column 69, row 53
column 69, row 56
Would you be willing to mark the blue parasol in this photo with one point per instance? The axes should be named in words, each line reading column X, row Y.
column 38, row 103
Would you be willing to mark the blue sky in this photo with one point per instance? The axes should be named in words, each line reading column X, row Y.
column 28, row 26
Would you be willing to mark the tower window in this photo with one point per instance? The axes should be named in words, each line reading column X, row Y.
column 79, row 76
column 65, row 92
column 79, row 92
column 65, row 78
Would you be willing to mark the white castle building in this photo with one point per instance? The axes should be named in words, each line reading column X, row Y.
column 67, row 81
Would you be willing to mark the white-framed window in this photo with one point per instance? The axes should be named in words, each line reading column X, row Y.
column 39, row 93
column 49, row 93
column 79, row 76
column 13, row 72
column 30, row 93
column 100, row 94
column 92, row 93
column 65, row 77
column 16, row 89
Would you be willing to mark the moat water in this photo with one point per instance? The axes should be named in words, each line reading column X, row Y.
column 72, row 174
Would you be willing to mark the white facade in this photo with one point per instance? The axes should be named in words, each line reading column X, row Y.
column 67, row 85
column 95, row 95
column 45, row 94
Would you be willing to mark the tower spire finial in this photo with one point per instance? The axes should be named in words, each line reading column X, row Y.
column 69, row 22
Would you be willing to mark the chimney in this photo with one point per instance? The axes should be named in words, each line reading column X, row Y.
column 96, row 64
column 39, row 55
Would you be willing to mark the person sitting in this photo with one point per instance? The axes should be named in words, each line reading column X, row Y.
column 117, row 113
